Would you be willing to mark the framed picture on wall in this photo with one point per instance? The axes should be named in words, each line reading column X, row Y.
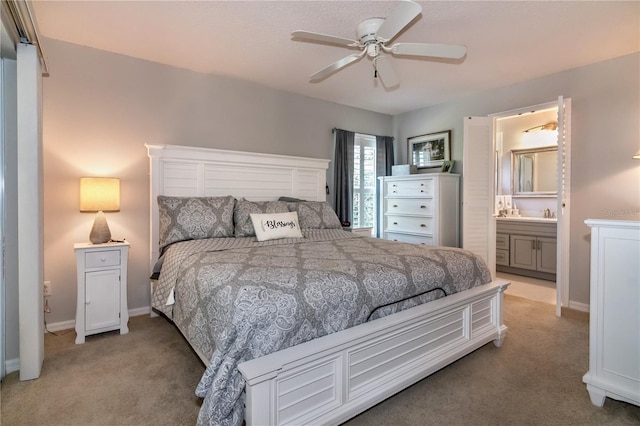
column 430, row 150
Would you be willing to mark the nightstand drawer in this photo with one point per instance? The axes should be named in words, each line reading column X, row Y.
column 97, row 259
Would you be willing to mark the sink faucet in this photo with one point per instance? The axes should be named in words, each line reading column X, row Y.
column 547, row 213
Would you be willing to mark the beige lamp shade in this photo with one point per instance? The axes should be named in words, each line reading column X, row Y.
column 99, row 194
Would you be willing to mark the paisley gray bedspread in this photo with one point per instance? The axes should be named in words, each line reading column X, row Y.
column 237, row 299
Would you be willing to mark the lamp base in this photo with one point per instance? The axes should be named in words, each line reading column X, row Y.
column 100, row 232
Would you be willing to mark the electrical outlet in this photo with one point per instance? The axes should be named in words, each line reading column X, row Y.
column 47, row 288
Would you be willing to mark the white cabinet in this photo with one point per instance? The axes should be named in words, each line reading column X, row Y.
column 102, row 288
column 421, row 209
column 614, row 312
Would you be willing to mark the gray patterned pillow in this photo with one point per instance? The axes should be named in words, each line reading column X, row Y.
column 193, row 218
column 316, row 215
column 243, row 208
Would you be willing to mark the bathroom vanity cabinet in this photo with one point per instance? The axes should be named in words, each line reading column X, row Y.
column 527, row 247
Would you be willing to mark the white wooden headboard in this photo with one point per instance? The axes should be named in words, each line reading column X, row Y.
column 190, row 171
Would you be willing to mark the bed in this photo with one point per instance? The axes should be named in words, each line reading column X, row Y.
column 266, row 363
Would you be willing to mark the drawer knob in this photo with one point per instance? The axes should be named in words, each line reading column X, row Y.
column 88, row 302
column 103, row 259
column 395, row 223
column 395, row 205
column 422, row 190
column 423, row 207
column 422, row 225
column 422, row 184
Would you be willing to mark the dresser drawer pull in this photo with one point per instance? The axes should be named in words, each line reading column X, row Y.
column 423, row 207
column 395, row 223
column 422, row 190
column 395, row 205
column 422, row 225
column 103, row 259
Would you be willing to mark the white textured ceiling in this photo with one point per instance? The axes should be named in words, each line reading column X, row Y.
column 507, row 42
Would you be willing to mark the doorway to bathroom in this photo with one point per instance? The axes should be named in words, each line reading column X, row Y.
column 532, row 151
column 487, row 155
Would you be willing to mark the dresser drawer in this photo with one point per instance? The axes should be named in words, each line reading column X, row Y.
column 502, row 257
column 502, row 241
column 410, row 206
column 413, row 239
column 421, row 225
column 411, row 188
column 97, row 259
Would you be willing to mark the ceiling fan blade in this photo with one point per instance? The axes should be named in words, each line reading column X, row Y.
column 327, row 71
column 404, row 13
column 449, row 51
column 386, row 72
column 324, row 38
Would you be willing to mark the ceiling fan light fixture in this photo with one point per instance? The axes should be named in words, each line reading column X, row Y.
column 371, row 36
column 366, row 30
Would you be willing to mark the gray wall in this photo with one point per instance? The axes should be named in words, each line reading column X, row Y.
column 100, row 109
column 605, row 134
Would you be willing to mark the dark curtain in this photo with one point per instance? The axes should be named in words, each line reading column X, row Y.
column 384, row 161
column 343, row 174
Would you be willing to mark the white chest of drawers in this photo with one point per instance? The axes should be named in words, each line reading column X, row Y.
column 421, row 209
column 614, row 312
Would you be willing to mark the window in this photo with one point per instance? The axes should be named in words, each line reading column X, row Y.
column 364, row 181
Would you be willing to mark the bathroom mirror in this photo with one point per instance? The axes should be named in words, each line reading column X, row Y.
column 534, row 171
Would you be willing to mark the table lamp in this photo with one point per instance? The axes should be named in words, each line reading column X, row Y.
column 99, row 194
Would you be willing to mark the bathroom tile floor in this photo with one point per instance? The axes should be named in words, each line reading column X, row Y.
column 530, row 288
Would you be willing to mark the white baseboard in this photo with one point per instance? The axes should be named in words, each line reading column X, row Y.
column 11, row 365
column 582, row 307
column 58, row 326
column 65, row 325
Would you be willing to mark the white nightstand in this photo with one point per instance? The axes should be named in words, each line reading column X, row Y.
column 365, row 231
column 102, row 288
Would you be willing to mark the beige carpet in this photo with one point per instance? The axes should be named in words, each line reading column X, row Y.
column 148, row 377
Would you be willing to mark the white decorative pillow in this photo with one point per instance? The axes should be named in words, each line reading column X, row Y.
column 272, row 226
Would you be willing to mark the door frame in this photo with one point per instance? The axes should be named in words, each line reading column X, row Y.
column 563, row 108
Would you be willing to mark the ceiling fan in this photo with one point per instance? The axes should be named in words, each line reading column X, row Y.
column 372, row 36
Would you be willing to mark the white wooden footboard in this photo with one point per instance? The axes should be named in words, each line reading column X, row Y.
column 333, row 378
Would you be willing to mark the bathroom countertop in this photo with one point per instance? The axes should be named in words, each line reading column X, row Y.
column 529, row 219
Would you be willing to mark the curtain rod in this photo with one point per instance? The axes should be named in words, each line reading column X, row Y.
column 363, row 133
